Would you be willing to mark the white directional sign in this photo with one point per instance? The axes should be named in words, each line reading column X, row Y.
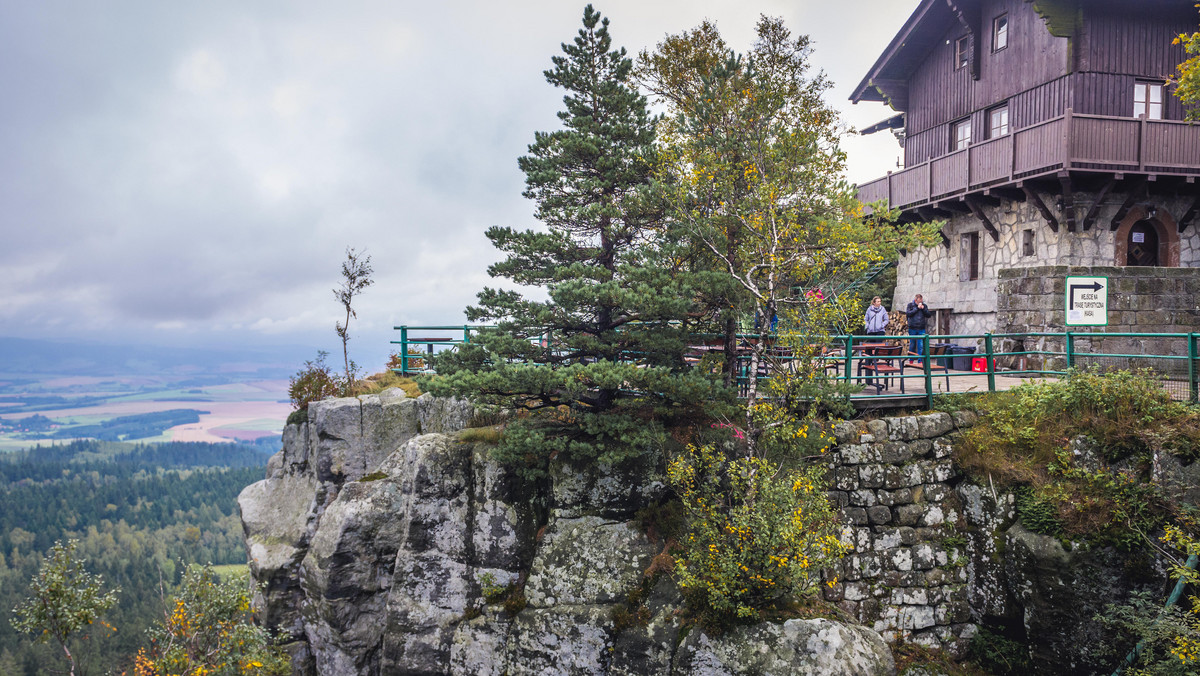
column 1087, row 301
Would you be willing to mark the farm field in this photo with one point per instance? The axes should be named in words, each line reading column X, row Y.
column 228, row 411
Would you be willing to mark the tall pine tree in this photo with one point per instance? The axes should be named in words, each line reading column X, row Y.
column 597, row 369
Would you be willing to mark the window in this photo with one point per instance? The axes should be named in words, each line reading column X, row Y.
column 1148, row 100
column 998, row 121
column 1027, row 242
column 962, row 51
column 999, row 32
column 968, row 257
column 960, row 134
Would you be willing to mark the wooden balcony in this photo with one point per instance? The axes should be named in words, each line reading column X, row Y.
column 1059, row 146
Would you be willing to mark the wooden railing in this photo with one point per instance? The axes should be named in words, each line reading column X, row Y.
column 1067, row 142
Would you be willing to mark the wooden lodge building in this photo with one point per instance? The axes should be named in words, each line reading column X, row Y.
column 1042, row 132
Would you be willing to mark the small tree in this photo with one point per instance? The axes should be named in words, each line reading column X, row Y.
column 64, row 599
column 314, row 382
column 356, row 276
column 208, row 629
column 758, row 535
column 752, row 171
column 1187, row 83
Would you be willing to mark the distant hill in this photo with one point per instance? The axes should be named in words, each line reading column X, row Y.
column 21, row 356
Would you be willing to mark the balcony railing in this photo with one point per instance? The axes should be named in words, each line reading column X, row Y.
column 1067, row 143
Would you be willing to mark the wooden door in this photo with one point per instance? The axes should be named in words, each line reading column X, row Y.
column 1142, row 245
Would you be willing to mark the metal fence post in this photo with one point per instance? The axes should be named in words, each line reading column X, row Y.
column 1070, row 345
column 404, row 350
column 466, row 334
column 928, row 373
column 849, row 351
column 1193, row 390
column 991, row 363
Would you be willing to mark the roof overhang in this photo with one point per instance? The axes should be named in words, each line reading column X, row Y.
column 894, row 122
column 887, row 80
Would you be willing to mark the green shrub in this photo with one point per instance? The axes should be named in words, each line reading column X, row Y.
column 999, row 655
column 757, row 535
column 1098, row 491
column 314, row 382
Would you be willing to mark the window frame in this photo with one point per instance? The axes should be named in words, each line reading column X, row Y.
column 957, row 140
column 991, row 127
column 970, row 257
column 1028, row 243
column 1148, row 87
column 1000, row 32
column 962, row 52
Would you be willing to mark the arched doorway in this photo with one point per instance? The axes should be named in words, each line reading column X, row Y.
column 1142, row 244
column 1148, row 236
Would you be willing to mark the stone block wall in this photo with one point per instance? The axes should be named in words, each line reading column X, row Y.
column 934, row 271
column 907, row 576
column 1140, row 300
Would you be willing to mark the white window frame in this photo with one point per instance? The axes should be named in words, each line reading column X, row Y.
column 960, row 134
column 1148, row 99
column 962, row 52
column 1000, row 32
column 997, row 129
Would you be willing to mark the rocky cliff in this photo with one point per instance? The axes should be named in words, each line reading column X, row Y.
column 389, row 544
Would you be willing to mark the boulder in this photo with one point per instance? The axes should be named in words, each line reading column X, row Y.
column 816, row 647
column 587, row 561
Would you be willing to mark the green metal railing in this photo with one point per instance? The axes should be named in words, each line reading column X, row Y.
column 1174, row 357
column 411, row 355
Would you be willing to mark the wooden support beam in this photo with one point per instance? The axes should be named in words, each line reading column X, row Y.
column 978, row 211
column 1134, row 193
column 1190, row 215
column 945, row 239
column 932, row 213
column 1010, row 194
column 1068, row 198
column 1091, row 214
column 954, row 206
column 1036, row 199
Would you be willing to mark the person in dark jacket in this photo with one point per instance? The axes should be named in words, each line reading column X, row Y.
column 917, row 313
column 876, row 318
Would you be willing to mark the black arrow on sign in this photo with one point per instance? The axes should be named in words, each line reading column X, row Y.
column 1094, row 286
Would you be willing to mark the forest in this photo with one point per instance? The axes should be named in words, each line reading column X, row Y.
column 140, row 512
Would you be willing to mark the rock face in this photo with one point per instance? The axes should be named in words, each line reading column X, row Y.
column 388, row 545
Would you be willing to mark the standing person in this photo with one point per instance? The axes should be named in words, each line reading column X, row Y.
column 917, row 314
column 876, row 318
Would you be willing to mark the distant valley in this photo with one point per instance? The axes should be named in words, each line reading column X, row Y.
column 51, row 391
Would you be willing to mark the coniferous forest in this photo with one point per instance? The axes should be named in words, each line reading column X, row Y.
column 140, row 512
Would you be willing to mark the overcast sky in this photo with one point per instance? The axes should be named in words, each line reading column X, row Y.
column 191, row 173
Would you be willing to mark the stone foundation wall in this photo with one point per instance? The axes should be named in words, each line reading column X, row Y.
column 1140, row 300
column 934, row 271
column 907, row 576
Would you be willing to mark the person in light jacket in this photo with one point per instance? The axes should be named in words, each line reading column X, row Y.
column 917, row 314
column 877, row 317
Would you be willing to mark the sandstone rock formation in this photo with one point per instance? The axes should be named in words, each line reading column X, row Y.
column 388, row 545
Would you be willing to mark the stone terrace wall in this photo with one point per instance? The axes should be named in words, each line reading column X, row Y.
column 907, row 576
column 1140, row 300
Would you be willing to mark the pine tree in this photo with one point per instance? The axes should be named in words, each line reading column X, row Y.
column 597, row 368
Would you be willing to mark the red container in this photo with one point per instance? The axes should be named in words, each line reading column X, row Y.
column 979, row 364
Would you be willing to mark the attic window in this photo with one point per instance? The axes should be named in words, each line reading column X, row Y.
column 999, row 32
column 962, row 51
